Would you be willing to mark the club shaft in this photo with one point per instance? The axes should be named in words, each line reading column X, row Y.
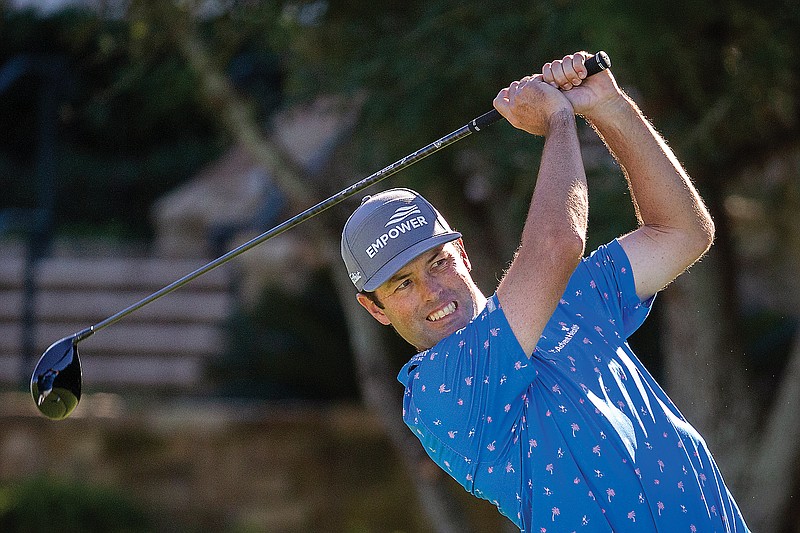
column 382, row 174
column 594, row 64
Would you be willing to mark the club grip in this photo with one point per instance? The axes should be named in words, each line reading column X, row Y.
column 594, row 64
column 597, row 63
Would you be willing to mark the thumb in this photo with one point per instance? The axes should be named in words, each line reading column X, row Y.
column 501, row 103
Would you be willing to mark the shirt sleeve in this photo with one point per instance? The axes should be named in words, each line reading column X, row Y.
column 472, row 381
column 611, row 275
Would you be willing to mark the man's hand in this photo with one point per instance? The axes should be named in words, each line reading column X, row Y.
column 532, row 105
column 590, row 96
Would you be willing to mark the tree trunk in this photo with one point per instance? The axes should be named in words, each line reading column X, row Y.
column 379, row 390
column 383, row 394
column 773, row 469
column 704, row 371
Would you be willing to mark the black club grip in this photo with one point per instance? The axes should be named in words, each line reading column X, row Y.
column 596, row 63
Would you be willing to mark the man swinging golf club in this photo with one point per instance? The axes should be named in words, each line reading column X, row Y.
column 532, row 398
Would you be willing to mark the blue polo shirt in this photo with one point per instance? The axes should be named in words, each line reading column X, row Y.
column 578, row 437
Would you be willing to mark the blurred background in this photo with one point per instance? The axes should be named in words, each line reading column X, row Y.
column 141, row 139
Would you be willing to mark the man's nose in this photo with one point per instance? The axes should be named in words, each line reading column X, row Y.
column 431, row 288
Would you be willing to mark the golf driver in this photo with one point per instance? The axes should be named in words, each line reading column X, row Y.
column 56, row 380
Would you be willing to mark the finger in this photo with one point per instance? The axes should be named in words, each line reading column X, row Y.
column 501, row 101
column 578, row 64
column 571, row 63
column 548, row 76
column 559, row 76
column 503, row 105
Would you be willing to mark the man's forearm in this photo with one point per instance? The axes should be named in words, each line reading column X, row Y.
column 553, row 238
column 675, row 227
column 662, row 192
column 560, row 199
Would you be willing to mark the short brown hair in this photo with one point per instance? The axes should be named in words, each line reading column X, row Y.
column 373, row 298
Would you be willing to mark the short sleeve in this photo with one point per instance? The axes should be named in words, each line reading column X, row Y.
column 610, row 270
column 473, row 379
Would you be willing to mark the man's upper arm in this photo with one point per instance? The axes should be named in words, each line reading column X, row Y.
column 532, row 288
column 658, row 256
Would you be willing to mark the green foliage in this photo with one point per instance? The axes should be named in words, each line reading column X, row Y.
column 49, row 505
column 131, row 124
column 717, row 76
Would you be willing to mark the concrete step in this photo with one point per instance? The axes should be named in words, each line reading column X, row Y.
column 123, row 339
column 102, row 372
column 165, row 344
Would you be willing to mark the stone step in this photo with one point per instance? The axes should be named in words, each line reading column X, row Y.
column 198, row 340
column 101, row 372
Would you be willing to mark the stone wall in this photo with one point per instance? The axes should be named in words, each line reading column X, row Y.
column 199, row 465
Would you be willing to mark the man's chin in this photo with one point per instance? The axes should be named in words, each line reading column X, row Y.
column 445, row 329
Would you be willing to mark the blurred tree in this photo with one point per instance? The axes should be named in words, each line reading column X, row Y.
column 720, row 79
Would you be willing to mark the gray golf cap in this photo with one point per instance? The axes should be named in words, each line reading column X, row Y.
column 387, row 231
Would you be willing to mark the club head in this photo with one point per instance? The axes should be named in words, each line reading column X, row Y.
column 56, row 380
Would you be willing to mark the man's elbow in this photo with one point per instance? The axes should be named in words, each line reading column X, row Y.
column 699, row 239
column 556, row 249
column 568, row 248
column 705, row 234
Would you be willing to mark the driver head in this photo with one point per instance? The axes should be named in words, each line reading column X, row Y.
column 56, row 380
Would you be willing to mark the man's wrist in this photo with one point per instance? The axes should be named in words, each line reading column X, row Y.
column 562, row 120
column 612, row 111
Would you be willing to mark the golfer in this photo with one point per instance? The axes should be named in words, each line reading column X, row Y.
column 532, row 398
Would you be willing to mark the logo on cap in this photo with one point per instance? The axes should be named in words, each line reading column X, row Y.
column 355, row 276
column 404, row 219
column 403, row 213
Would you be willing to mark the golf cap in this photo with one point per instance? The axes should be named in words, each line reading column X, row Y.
column 387, row 231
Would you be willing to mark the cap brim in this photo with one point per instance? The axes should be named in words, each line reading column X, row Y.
column 406, row 256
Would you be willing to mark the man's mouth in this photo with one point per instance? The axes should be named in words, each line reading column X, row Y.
column 449, row 309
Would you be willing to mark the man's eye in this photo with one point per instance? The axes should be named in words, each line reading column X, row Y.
column 403, row 285
column 441, row 263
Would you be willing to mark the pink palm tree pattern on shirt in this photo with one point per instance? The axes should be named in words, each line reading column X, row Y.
column 583, row 389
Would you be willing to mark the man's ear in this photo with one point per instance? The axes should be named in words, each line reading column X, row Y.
column 460, row 246
column 376, row 312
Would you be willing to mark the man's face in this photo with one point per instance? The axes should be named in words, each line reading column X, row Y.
column 430, row 297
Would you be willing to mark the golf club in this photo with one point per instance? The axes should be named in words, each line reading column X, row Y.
column 56, row 380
